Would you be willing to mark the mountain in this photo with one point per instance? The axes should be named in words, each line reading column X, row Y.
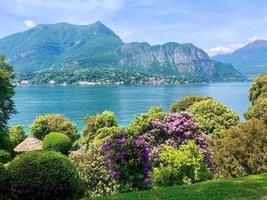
column 250, row 59
column 66, row 46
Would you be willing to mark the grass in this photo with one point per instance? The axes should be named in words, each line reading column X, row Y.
column 250, row 187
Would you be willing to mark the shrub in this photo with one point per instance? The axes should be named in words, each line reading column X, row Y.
column 184, row 103
column 242, row 150
column 6, row 149
column 46, row 124
column 258, row 88
column 180, row 166
column 175, row 130
column 104, row 134
column 5, row 156
column 92, row 171
column 5, row 183
column 143, row 123
column 57, row 142
column 44, row 175
column 16, row 134
column 257, row 110
column 105, row 119
column 213, row 116
column 128, row 161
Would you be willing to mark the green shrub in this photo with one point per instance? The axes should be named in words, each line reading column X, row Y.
column 242, row 150
column 57, row 142
column 104, row 134
column 184, row 103
column 46, row 124
column 90, row 166
column 4, row 183
column 213, row 116
column 5, row 156
column 93, row 123
column 257, row 110
column 16, row 134
column 44, row 175
column 180, row 166
column 6, row 149
column 258, row 88
column 143, row 123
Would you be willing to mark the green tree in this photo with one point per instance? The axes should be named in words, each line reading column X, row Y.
column 16, row 134
column 257, row 110
column 258, row 88
column 7, row 91
column 184, row 103
column 213, row 116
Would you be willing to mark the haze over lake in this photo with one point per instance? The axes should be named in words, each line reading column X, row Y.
column 126, row 101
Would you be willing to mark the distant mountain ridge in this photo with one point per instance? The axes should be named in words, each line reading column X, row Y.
column 250, row 59
column 67, row 46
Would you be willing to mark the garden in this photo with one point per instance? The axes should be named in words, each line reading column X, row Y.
column 199, row 149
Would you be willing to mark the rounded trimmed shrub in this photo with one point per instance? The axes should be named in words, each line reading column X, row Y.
column 57, row 142
column 213, row 116
column 241, row 150
column 44, row 175
column 16, row 134
column 46, row 124
column 184, row 103
column 5, row 183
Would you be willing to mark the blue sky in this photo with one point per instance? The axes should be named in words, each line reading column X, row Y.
column 217, row 26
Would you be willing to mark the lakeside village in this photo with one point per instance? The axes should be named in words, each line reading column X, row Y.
column 148, row 81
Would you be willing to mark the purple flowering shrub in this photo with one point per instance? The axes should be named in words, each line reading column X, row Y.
column 128, row 160
column 175, row 130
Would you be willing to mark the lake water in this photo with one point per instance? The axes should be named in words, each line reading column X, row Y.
column 126, row 101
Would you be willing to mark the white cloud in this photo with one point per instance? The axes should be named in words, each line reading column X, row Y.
column 29, row 23
column 224, row 49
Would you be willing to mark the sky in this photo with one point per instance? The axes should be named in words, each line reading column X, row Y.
column 216, row 26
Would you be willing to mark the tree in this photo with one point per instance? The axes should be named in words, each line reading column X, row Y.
column 258, row 88
column 257, row 110
column 7, row 91
column 16, row 134
column 213, row 116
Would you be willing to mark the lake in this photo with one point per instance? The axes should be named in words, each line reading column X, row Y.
column 126, row 101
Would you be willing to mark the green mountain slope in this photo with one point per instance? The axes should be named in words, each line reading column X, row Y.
column 66, row 46
column 250, row 59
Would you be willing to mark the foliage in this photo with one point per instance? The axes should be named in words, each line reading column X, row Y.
column 258, row 88
column 180, row 166
column 7, row 91
column 175, row 130
column 5, row 183
column 249, row 187
column 45, row 124
column 184, row 103
column 242, row 150
column 213, row 116
column 257, row 110
column 104, row 134
column 5, row 156
column 143, row 123
column 128, row 161
column 6, row 149
column 44, row 175
column 57, row 142
column 16, row 134
column 102, row 120
column 92, row 171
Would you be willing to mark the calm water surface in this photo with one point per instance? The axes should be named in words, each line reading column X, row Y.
column 126, row 101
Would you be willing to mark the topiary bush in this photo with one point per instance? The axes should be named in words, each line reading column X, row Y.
column 184, row 103
column 93, row 172
column 143, row 123
column 46, row 124
column 44, row 175
column 258, row 88
column 185, row 165
column 105, row 119
column 257, row 110
column 213, row 116
column 241, row 150
column 16, row 134
column 57, row 142
column 5, row 183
